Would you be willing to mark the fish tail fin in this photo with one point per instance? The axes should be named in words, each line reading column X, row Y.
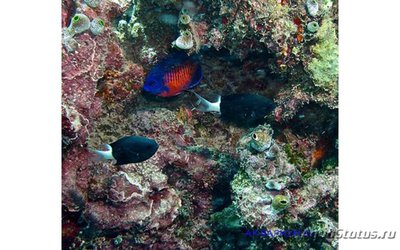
column 204, row 105
column 100, row 155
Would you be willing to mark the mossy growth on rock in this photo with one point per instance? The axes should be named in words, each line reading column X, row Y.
column 323, row 67
column 240, row 181
column 227, row 219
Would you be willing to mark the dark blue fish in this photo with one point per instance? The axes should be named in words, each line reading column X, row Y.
column 129, row 149
column 245, row 110
column 174, row 74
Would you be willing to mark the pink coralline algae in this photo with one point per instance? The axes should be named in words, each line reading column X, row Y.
column 132, row 198
column 319, row 188
column 108, row 10
column 84, row 69
column 110, row 198
column 289, row 101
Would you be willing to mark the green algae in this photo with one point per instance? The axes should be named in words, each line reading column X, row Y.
column 240, row 181
column 323, row 67
column 227, row 218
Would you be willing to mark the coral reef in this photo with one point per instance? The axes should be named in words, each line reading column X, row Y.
column 209, row 182
column 141, row 196
column 258, row 204
column 273, row 192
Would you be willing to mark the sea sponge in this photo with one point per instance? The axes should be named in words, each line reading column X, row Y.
column 184, row 19
column 312, row 27
column 273, row 185
column 185, row 40
column 312, row 7
column 79, row 23
column 97, row 26
column 280, row 202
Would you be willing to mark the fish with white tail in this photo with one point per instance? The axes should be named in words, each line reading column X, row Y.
column 245, row 110
column 128, row 149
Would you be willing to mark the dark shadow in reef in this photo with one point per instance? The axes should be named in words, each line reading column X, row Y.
column 317, row 120
column 77, row 230
column 147, row 101
column 227, row 167
column 225, row 54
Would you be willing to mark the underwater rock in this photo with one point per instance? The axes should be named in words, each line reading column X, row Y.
column 112, row 198
column 92, row 3
column 119, row 85
column 256, row 201
column 266, row 188
column 318, row 188
column 82, row 70
column 136, row 197
column 73, row 126
column 288, row 102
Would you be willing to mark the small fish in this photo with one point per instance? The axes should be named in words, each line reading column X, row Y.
column 174, row 74
column 128, row 149
column 245, row 110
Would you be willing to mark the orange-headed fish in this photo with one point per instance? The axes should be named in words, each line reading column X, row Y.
column 174, row 74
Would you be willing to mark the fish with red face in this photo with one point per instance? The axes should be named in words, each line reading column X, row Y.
column 174, row 74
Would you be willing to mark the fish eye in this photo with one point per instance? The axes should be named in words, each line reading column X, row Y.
column 255, row 136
